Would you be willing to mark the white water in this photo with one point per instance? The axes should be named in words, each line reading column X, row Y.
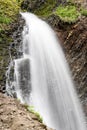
column 43, row 79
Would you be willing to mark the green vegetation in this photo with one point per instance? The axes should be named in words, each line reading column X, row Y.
column 46, row 9
column 5, row 20
column 32, row 110
column 83, row 12
column 67, row 13
column 8, row 10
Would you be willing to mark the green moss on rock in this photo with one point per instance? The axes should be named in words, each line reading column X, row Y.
column 32, row 110
column 83, row 12
column 8, row 10
column 68, row 13
column 42, row 8
column 46, row 9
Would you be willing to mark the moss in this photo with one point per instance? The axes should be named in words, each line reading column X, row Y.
column 32, row 110
column 4, row 19
column 8, row 10
column 46, row 9
column 41, row 8
column 67, row 13
column 1, row 39
column 83, row 12
column 1, row 58
column 1, row 78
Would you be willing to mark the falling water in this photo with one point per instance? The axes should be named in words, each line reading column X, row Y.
column 43, row 79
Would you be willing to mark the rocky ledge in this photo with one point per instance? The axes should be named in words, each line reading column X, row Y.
column 15, row 116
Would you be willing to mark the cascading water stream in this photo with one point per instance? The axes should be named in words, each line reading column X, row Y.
column 43, row 80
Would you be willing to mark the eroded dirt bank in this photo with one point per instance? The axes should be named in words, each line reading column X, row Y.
column 15, row 116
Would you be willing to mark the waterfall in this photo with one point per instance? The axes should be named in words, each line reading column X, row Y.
column 43, row 79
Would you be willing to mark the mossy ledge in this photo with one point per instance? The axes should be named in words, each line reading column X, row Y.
column 67, row 12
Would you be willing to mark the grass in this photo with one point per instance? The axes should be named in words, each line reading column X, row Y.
column 68, row 13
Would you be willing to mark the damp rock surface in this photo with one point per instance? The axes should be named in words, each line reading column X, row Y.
column 73, row 39
column 10, row 40
column 74, row 42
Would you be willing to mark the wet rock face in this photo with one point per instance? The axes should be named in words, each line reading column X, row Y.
column 76, row 54
column 32, row 5
column 16, row 44
column 4, row 57
column 15, row 52
column 74, row 43
column 73, row 39
column 9, row 49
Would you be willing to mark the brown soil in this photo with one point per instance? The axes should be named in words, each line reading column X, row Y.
column 14, row 116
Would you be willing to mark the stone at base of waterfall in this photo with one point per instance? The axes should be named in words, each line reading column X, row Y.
column 14, row 116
